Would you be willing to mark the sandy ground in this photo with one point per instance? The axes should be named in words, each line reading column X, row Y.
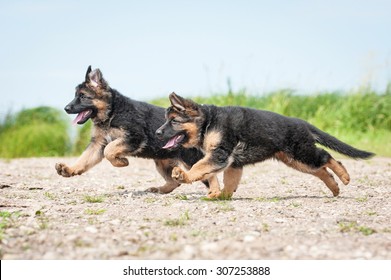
column 277, row 213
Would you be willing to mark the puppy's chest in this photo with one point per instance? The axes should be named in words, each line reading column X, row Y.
column 115, row 133
column 109, row 134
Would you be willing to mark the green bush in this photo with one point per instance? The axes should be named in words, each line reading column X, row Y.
column 40, row 131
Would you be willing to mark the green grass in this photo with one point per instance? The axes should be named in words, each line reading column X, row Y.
column 150, row 199
column 220, row 198
column 352, row 226
column 371, row 213
column 41, row 219
column 295, row 204
column 5, row 222
column 181, row 221
column 50, row 196
column 225, row 206
column 181, row 197
column 94, row 211
column 93, row 199
column 264, row 199
column 362, row 199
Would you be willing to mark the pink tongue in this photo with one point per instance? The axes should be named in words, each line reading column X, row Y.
column 79, row 117
column 170, row 142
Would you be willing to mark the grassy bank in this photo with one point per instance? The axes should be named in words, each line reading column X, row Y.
column 361, row 118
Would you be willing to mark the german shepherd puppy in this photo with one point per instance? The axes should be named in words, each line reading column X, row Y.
column 232, row 137
column 121, row 127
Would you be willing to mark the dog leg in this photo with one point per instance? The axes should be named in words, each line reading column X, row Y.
column 328, row 179
column 166, row 188
column 164, row 167
column 115, row 152
column 232, row 178
column 320, row 172
column 339, row 170
column 89, row 158
column 214, row 187
column 202, row 170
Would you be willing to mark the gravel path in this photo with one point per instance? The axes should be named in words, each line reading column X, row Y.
column 277, row 213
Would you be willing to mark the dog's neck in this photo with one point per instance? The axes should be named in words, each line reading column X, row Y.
column 106, row 120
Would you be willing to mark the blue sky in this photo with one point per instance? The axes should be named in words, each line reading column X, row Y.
column 147, row 49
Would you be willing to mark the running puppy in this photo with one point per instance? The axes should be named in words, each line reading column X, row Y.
column 121, row 127
column 232, row 137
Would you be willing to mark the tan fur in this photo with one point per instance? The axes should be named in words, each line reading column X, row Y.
column 101, row 105
column 211, row 140
column 214, row 187
column 328, row 179
column 162, row 166
column 231, row 180
column 339, row 170
column 192, row 113
column 192, row 134
column 115, row 152
column 293, row 163
column 89, row 158
column 321, row 173
column 97, row 150
column 204, row 168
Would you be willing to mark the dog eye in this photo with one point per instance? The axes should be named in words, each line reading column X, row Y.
column 174, row 121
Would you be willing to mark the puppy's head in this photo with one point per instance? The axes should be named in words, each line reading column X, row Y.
column 183, row 123
column 91, row 98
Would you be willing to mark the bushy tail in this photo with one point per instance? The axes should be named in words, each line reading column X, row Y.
column 333, row 143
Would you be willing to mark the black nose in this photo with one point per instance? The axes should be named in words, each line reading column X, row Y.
column 68, row 108
column 159, row 133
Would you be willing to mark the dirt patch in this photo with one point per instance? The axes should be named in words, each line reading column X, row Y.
column 277, row 213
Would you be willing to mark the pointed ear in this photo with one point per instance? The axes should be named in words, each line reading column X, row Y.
column 176, row 101
column 87, row 73
column 95, row 78
column 181, row 104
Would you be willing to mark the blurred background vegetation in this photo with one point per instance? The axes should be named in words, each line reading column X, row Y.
column 41, row 131
column 361, row 118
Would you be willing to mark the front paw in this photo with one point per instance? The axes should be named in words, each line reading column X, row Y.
column 179, row 175
column 63, row 170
